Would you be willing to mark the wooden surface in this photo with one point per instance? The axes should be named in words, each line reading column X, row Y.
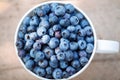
column 105, row 15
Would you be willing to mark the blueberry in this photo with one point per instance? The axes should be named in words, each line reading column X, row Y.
column 73, row 45
column 89, row 48
column 32, row 53
column 29, row 44
column 53, row 19
column 56, row 27
column 60, row 56
column 41, row 31
column 82, row 54
column 53, row 58
column 65, row 33
column 45, row 39
column 57, row 73
column 88, row 30
column 70, row 70
column 65, row 74
column 33, row 35
column 71, row 28
column 23, row 28
column 46, row 8
column 44, row 23
column 64, row 45
column 20, row 35
column 40, row 12
column 75, row 55
column 53, row 43
column 37, row 45
column 53, row 6
column 81, row 32
column 53, row 64
column 48, row 52
column 80, row 16
column 89, row 39
column 57, row 50
column 39, row 56
column 19, row 44
column 69, row 55
column 21, row 53
column 43, row 63
column 49, row 70
column 26, row 58
column 59, row 10
column 75, row 64
column 57, row 34
column 31, row 28
column 84, row 23
column 27, row 37
column 74, row 20
column 83, row 61
column 73, row 36
column 63, row 64
column 67, row 16
column 69, row 8
column 29, row 64
column 82, row 44
column 78, row 28
column 26, row 20
column 34, row 21
column 51, row 32
column 39, row 71
column 64, row 22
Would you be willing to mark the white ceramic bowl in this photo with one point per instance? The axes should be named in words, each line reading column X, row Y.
column 62, row 2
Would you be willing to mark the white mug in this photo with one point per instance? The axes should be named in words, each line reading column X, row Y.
column 100, row 46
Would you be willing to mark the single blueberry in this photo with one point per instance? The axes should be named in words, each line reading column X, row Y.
column 48, row 52
column 74, row 20
column 69, row 8
column 45, row 39
column 39, row 71
column 75, row 64
column 41, row 31
column 63, row 64
column 29, row 64
column 53, row 43
column 65, row 33
column 70, row 70
column 82, row 44
column 88, row 30
column 59, row 10
column 84, row 23
column 43, row 63
column 34, row 21
column 83, row 61
column 26, row 20
column 57, row 73
column 89, row 48
column 82, row 54
column 49, row 70
column 61, row 56
column 39, row 56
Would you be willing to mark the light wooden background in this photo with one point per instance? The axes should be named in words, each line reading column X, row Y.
column 105, row 15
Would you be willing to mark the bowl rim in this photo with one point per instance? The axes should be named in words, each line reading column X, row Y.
column 61, row 2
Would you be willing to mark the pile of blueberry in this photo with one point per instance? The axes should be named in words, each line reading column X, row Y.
column 56, row 41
